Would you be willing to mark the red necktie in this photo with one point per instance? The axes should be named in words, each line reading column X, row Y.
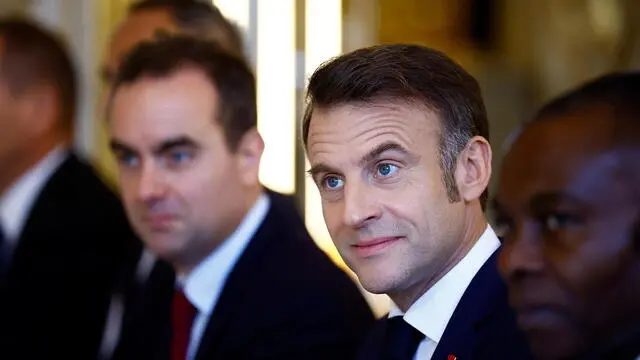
column 182, row 316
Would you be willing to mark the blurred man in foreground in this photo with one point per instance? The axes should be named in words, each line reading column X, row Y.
column 569, row 208
column 63, row 233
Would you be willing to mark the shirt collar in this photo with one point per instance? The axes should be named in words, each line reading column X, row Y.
column 203, row 285
column 430, row 314
column 16, row 202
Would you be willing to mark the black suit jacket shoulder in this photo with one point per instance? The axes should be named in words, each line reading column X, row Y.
column 482, row 327
column 284, row 299
column 74, row 240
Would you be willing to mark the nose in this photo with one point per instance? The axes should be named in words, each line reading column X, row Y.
column 150, row 184
column 360, row 206
column 521, row 254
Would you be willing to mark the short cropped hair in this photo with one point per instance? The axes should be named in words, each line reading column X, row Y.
column 230, row 75
column 32, row 56
column 409, row 73
column 618, row 93
column 198, row 18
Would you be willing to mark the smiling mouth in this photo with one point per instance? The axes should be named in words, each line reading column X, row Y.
column 374, row 246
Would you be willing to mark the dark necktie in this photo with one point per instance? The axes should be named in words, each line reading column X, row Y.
column 182, row 316
column 401, row 340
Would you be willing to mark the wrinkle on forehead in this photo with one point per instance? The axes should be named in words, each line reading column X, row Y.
column 353, row 124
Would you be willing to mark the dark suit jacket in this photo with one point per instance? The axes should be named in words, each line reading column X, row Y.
column 284, row 299
column 54, row 300
column 482, row 326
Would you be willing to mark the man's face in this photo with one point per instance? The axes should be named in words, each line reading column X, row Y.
column 26, row 118
column 567, row 218
column 383, row 198
column 183, row 189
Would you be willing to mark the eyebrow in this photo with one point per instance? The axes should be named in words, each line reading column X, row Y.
column 368, row 158
column 374, row 154
column 118, row 146
column 164, row 146
column 172, row 143
column 547, row 199
column 319, row 169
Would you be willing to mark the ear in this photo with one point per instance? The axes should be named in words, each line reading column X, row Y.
column 473, row 170
column 248, row 156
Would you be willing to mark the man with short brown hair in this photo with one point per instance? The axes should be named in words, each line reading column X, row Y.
column 397, row 139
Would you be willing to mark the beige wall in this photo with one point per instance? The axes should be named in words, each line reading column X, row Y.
column 14, row 7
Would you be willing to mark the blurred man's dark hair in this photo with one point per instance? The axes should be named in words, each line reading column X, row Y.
column 198, row 18
column 32, row 56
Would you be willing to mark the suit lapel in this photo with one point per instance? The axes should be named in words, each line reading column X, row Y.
column 480, row 300
column 237, row 285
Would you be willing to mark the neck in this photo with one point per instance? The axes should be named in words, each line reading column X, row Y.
column 475, row 224
column 20, row 161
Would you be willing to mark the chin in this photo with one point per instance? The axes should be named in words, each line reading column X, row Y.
column 378, row 282
column 377, row 276
column 164, row 246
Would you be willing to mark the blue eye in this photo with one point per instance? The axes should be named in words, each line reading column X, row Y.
column 128, row 160
column 179, row 157
column 333, row 182
column 386, row 169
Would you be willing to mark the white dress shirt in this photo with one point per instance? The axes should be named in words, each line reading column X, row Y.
column 17, row 201
column 430, row 314
column 204, row 284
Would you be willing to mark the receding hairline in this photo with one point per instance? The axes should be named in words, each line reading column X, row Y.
column 610, row 135
column 209, row 23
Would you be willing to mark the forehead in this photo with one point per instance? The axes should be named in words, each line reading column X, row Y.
column 153, row 107
column 357, row 126
column 138, row 27
column 572, row 154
